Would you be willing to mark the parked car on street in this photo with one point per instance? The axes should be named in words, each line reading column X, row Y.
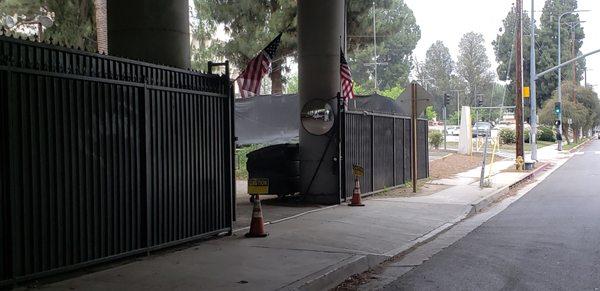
column 453, row 130
column 481, row 128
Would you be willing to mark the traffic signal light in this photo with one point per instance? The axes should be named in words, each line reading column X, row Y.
column 446, row 99
column 557, row 108
column 557, row 123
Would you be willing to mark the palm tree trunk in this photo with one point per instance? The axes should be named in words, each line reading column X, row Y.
column 101, row 25
column 276, row 78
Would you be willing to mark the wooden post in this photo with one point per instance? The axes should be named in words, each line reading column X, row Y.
column 413, row 142
column 519, row 79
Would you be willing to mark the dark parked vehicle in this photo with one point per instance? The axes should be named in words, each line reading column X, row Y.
column 278, row 163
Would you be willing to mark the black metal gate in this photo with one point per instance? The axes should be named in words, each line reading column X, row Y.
column 380, row 143
column 104, row 157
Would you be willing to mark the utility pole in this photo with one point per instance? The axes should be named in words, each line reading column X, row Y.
column 519, row 79
column 574, row 94
column 532, row 84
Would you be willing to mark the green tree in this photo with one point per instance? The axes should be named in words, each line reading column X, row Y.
column 291, row 87
column 438, row 70
column 250, row 26
column 548, row 47
column 430, row 113
column 397, row 37
column 74, row 20
column 453, row 118
column 504, row 50
column 393, row 92
column 474, row 66
column 584, row 111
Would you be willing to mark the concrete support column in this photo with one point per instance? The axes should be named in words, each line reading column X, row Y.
column 155, row 31
column 320, row 31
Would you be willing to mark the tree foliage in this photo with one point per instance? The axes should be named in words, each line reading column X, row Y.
column 548, row 44
column 438, row 71
column 474, row 66
column 584, row 110
column 504, row 50
column 251, row 24
column 430, row 113
column 397, row 37
column 74, row 23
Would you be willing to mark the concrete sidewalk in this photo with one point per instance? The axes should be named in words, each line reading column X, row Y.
column 313, row 251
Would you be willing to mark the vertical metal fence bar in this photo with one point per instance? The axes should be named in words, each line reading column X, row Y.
column 369, row 138
column 373, row 153
column 95, row 164
column 394, row 151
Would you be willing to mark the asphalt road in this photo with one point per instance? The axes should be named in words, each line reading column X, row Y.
column 547, row 240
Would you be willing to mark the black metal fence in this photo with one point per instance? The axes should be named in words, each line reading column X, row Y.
column 380, row 143
column 104, row 157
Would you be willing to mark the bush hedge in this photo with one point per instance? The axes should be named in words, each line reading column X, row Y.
column 507, row 136
column 546, row 133
column 436, row 138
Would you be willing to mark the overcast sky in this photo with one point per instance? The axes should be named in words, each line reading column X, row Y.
column 449, row 20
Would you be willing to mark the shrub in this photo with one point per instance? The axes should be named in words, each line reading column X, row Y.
column 507, row 136
column 526, row 135
column 436, row 138
column 546, row 133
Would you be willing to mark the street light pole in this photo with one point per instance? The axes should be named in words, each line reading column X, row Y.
column 560, row 119
column 532, row 74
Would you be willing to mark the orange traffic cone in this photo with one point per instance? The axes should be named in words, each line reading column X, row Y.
column 257, row 226
column 356, row 200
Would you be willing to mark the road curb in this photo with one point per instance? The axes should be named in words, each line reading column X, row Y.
column 580, row 145
column 334, row 275
column 494, row 196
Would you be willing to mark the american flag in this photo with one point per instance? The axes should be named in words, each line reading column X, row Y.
column 259, row 66
column 346, row 78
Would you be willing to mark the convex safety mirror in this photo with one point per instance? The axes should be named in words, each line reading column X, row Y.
column 317, row 117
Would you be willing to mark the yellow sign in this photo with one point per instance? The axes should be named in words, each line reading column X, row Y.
column 258, row 186
column 526, row 93
column 358, row 171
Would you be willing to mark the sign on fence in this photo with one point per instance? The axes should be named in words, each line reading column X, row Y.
column 258, row 186
column 358, row 171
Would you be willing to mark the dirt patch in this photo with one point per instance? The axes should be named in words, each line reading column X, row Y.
column 455, row 163
column 442, row 168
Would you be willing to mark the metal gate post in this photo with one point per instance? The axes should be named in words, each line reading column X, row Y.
column 230, row 121
column 414, row 138
column 13, row 146
column 372, row 153
column 394, row 150
column 145, row 155
column 231, row 133
column 341, row 161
